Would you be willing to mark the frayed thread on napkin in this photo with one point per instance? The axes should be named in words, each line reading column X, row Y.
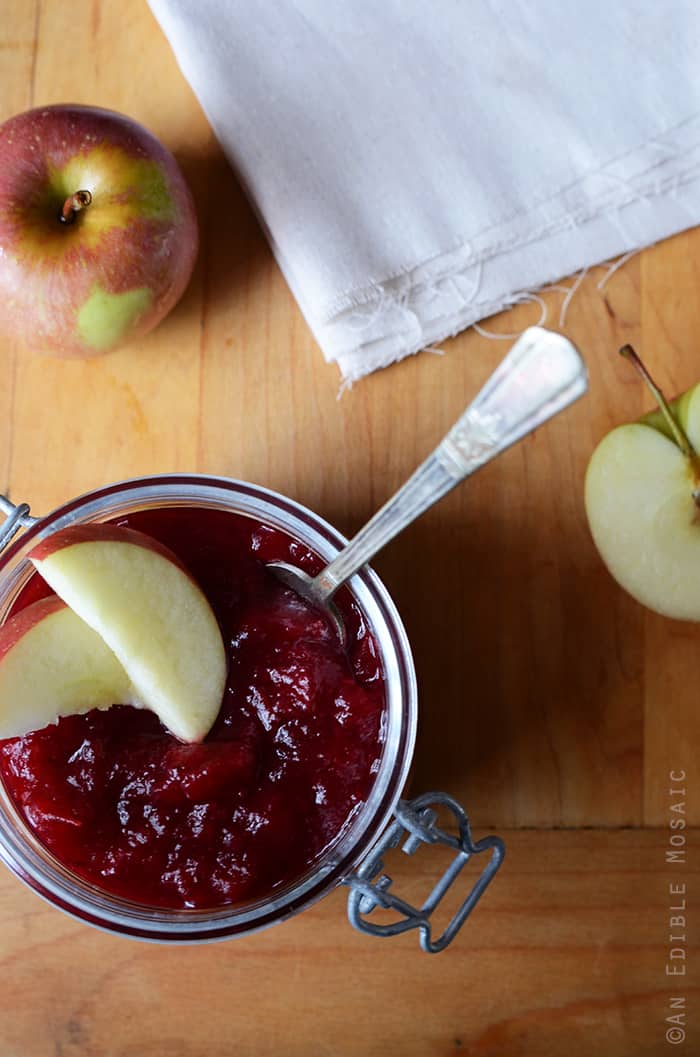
column 531, row 297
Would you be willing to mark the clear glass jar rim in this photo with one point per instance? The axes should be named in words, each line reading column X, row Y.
column 30, row 861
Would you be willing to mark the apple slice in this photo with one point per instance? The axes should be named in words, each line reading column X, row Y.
column 52, row 664
column 641, row 499
column 140, row 599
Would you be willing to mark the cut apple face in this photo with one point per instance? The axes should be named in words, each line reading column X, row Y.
column 144, row 605
column 51, row 665
column 642, row 512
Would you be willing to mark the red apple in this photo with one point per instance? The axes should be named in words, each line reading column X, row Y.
column 98, row 235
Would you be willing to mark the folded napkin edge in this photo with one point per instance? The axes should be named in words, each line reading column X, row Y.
column 400, row 325
column 474, row 251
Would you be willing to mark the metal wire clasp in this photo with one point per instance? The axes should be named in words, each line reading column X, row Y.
column 17, row 518
column 415, row 824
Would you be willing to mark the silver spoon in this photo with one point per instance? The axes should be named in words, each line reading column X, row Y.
column 541, row 375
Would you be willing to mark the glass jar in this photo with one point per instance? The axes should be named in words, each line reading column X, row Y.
column 354, row 859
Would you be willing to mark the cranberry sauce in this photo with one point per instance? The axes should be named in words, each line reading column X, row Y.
column 292, row 755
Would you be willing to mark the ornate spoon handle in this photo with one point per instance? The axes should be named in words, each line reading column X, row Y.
column 541, row 375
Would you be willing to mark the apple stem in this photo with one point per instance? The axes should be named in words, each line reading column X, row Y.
column 677, row 431
column 73, row 205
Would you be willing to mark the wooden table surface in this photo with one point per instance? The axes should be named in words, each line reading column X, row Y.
column 553, row 706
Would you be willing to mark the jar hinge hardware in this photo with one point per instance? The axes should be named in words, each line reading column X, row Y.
column 415, row 824
column 17, row 517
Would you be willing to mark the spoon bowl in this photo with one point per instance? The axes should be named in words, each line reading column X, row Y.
column 308, row 588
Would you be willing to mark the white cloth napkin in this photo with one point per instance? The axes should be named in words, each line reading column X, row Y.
column 418, row 164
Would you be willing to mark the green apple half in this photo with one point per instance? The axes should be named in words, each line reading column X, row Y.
column 640, row 494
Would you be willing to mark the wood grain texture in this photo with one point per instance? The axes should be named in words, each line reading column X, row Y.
column 566, row 955
column 548, row 697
